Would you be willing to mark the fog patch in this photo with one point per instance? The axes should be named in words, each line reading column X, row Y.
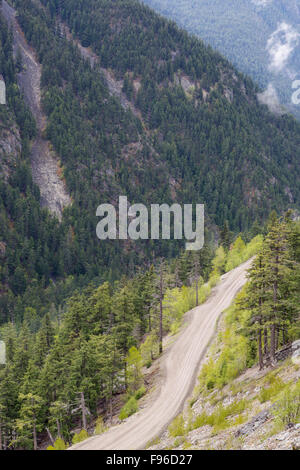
column 270, row 98
column 280, row 46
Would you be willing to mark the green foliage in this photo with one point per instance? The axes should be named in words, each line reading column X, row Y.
column 79, row 437
column 246, row 316
column 57, row 347
column 149, row 349
column 87, row 136
column 272, row 295
column 140, row 392
column 287, row 408
column 59, row 444
column 92, row 349
column 129, row 408
column 269, row 393
column 94, row 136
column 100, row 427
column 219, row 419
column 176, row 303
column 235, row 354
column 219, row 260
column 134, row 371
column 241, row 252
column 177, row 427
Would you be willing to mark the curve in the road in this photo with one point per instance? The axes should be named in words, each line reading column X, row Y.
column 181, row 364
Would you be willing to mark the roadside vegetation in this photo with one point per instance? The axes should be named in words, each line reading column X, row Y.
column 245, row 338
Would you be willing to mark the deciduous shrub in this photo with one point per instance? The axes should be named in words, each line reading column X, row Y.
column 177, row 427
column 81, row 436
column 59, row 444
column 129, row 408
column 287, row 410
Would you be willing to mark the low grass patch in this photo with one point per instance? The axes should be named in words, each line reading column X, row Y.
column 219, row 419
column 287, row 408
column 153, row 442
column 270, row 393
column 177, row 427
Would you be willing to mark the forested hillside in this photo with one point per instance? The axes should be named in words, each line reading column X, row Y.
column 52, row 362
column 97, row 350
column 245, row 31
column 198, row 135
column 92, row 130
column 72, row 307
column 212, row 117
column 29, row 237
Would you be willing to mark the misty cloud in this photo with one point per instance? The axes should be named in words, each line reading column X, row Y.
column 270, row 98
column 280, row 46
column 261, row 3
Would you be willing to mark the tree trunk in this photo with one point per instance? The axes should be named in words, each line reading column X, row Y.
column 260, row 353
column 277, row 339
column 83, row 410
column 161, row 312
column 50, row 436
column 284, row 339
column 150, row 326
column 273, row 345
column 0, row 434
column 110, row 409
column 111, row 396
column 34, row 436
column 125, row 372
column 273, row 326
column 34, row 427
column 266, row 341
column 58, row 428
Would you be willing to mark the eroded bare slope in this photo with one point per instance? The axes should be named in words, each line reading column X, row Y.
column 44, row 162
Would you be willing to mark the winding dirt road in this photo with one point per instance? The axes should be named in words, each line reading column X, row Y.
column 181, row 364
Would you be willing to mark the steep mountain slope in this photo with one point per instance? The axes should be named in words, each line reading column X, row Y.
column 44, row 250
column 157, row 116
column 260, row 37
column 213, row 117
column 28, row 235
column 45, row 167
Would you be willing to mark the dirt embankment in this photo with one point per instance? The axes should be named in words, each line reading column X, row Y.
column 45, row 164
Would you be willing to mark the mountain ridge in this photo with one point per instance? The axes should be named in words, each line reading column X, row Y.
column 250, row 34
